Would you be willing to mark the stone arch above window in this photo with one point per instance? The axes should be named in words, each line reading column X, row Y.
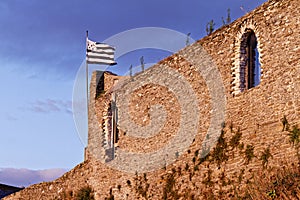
column 247, row 71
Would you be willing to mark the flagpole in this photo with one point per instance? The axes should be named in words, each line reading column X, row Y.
column 87, row 82
column 95, row 54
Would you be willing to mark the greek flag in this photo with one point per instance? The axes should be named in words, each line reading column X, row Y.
column 99, row 53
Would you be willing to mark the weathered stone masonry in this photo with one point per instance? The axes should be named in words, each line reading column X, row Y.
column 255, row 112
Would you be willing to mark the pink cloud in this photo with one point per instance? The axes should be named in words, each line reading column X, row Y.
column 26, row 177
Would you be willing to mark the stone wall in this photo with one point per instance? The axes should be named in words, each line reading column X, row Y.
column 196, row 91
column 98, row 106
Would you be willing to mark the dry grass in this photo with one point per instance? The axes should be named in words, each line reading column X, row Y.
column 280, row 184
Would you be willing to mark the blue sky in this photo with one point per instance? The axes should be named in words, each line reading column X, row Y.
column 42, row 45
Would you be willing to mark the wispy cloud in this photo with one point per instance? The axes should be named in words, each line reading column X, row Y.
column 26, row 177
column 51, row 106
column 10, row 117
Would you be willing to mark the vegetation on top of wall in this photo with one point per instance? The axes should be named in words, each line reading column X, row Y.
column 228, row 19
column 210, row 26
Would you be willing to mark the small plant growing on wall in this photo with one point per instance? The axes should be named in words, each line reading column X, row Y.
column 219, row 153
column 249, row 153
column 240, row 177
column 210, row 27
column 170, row 191
column 187, row 42
column 186, row 166
column 285, row 124
column 111, row 196
column 235, row 140
column 196, row 153
column 228, row 19
column 85, row 193
column 295, row 135
column 130, row 71
column 142, row 185
column 266, row 154
column 295, row 139
column 272, row 194
column 142, row 63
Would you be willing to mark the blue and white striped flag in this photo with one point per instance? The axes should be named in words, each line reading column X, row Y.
column 99, row 53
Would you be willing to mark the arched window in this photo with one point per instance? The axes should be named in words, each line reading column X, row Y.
column 249, row 64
